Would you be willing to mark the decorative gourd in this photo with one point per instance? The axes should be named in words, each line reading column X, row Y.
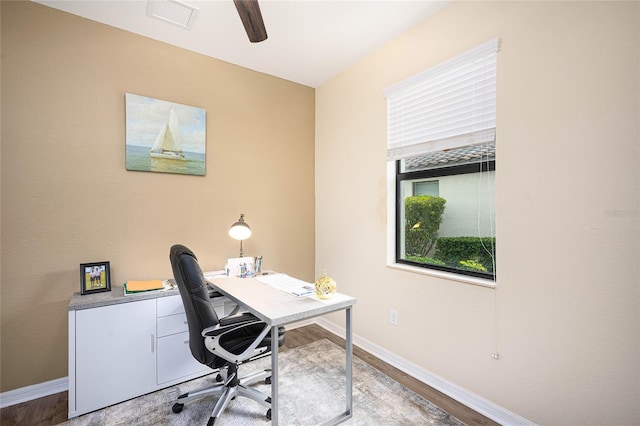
column 325, row 287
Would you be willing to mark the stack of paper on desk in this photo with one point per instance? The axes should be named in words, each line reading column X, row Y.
column 144, row 285
column 289, row 284
column 131, row 287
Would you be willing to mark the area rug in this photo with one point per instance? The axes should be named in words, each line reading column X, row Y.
column 312, row 391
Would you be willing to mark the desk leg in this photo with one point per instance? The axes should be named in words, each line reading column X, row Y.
column 349, row 361
column 274, row 375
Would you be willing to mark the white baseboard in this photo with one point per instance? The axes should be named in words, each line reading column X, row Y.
column 29, row 393
column 471, row 400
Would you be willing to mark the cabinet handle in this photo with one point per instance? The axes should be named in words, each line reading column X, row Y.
column 152, row 343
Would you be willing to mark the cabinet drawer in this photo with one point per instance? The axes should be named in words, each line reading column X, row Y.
column 172, row 324
column 175, row 359
column 170, row 305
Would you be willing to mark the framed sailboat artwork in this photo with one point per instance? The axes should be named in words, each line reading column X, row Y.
column 165, row 137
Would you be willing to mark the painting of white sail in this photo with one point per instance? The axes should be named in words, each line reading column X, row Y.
column 163, row 136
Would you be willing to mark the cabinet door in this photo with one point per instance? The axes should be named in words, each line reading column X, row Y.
column 115, row 353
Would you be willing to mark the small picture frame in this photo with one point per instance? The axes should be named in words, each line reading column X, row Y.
column 94, row 277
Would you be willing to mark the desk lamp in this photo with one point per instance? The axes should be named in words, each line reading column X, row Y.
column 240, row 231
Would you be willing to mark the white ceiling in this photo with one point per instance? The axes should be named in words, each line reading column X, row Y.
column 309, row 41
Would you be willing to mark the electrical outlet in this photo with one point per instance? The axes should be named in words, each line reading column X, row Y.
column 393, row 317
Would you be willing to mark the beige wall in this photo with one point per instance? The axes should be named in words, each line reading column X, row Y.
column 67, row 198
column 567, row 315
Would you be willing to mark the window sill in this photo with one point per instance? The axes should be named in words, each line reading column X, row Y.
column 444, row 275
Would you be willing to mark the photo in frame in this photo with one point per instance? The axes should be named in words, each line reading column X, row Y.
column 163, row 136
column 94, row 277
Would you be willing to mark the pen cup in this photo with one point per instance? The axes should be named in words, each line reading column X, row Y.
column 257, row 265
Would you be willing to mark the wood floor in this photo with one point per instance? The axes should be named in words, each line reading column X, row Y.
column 52, row 410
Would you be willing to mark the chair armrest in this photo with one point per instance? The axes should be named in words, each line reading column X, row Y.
column 231, row 323
column 238, row 318
column 212, row 336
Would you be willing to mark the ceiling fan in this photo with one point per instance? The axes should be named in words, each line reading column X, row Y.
column 249, row 11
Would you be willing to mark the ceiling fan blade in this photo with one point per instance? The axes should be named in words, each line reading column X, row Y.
column 249, row 11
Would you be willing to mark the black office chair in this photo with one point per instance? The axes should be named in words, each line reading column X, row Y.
column 223, row 343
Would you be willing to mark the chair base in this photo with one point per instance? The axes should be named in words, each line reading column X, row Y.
column 227, row 391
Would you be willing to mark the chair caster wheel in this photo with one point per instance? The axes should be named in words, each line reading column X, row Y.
column 177, row 407
column 218, row 378
column 211, row 421
column 269, row 414
column 267, row 380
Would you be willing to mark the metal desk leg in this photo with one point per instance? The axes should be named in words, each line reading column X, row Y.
column 348, row 413
column 274, row 375
column 349, row 361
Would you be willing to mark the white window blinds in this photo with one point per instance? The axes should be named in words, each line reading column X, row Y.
column 448, row 106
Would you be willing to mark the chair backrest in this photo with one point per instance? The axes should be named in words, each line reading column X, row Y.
column 195, row 298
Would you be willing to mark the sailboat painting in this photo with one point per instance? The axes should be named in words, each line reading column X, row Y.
column 164, row 136
column 167, row 144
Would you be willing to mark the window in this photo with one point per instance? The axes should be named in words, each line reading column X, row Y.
column 441, row 150
column 426, row 187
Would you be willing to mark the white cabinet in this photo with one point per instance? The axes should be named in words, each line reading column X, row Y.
column 114, row 353
column 123, row 347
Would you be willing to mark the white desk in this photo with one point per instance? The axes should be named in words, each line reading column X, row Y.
column 276, row 308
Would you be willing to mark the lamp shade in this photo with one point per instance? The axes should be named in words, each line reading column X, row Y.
column 240, row 230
